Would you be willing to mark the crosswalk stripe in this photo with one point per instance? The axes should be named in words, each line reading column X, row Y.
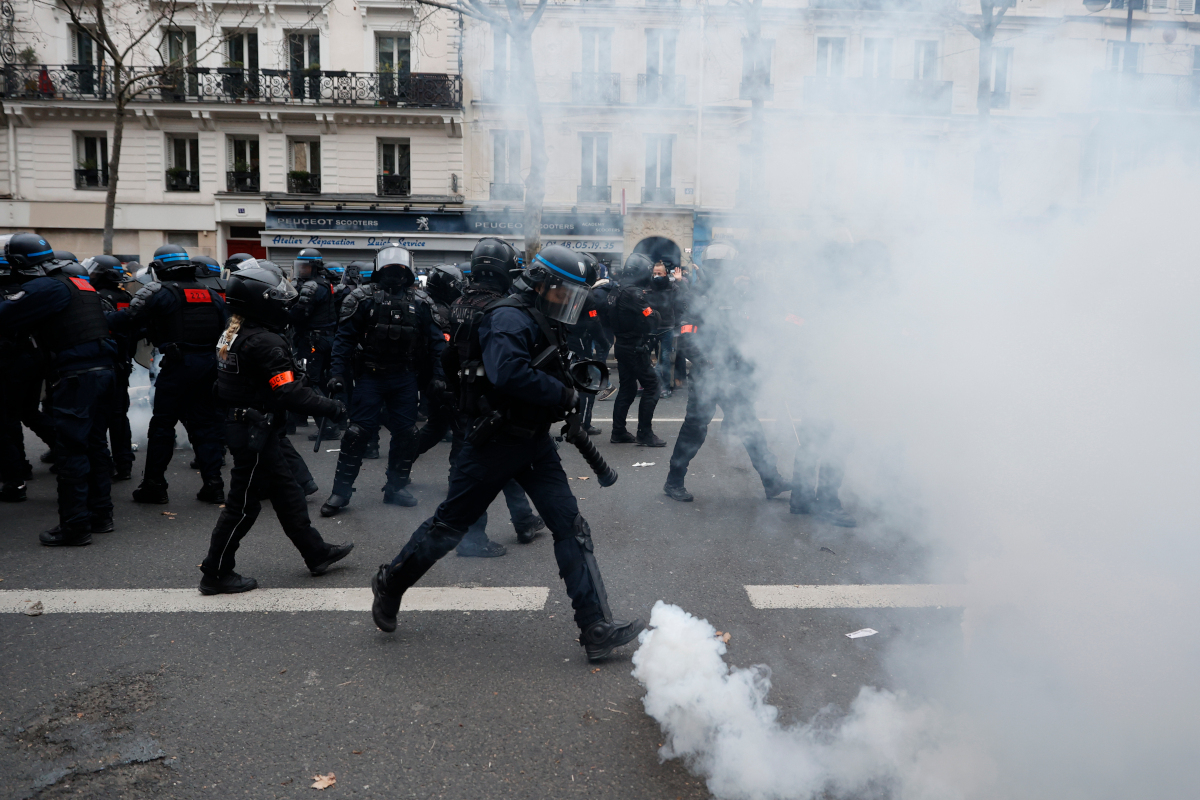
column 883, row 595
column 118, row 601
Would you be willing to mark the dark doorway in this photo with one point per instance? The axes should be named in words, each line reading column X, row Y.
column 659, row 249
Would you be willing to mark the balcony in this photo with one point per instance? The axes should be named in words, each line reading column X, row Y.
column 1000, row 100
column 658, row 195
column 661, row 90
column 303, row 183
column 593, row 194
column 393, row 185
column 1139, row 91
column 499, row 87
column 242, row 181
column 596, row 88
column 183, row 180
column 514, row 192
column 91, row 178
column 879, row 96
column 236, row 85
column 756, row 86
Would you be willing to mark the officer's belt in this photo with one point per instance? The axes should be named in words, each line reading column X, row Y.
column 244, row 415
column 75, row 372
column 523, row 433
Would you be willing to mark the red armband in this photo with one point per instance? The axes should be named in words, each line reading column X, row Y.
column 281, row 379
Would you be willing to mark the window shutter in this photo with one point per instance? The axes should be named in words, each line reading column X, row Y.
column 75, row 46
column 1186, row 6
column 1159, row 6
column 229, row 159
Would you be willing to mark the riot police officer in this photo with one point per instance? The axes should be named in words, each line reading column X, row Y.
column 108, row 277
column 633, row 321
column 209, row 273
column 586, row 338
column 66, row 316
column 184, row 320
column 314, row 315
column 233, row 263
column 711, row 330
column 257, row 383
column 513, row 405
column 392, row 319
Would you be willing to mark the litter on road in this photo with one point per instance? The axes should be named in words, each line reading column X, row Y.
column 861, row 632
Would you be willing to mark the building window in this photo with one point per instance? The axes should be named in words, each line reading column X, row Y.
column 1123, row 56
column 304, row 50
column 241, row 164
column 394, row 167
column 304, row 166
column 180, row 81
column 1000, row 77
column 925, row 61
column 241, row 49
column 91, row 160
column 877, row 58
column 183, row 238
column 831, row 57
column 183, row 164
column 657, row 188
column 393, row 53
column 756, row 69
column 593, row 173
column 500, row 50
column 597, row 49
column 596, row 83
column 506, row 166
column 660, row 50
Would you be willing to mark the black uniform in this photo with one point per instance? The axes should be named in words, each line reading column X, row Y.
column 184, row 320
column 314, row 322
column 258, row 383
column 24, row 368
column 633, row 322
column 119, row 434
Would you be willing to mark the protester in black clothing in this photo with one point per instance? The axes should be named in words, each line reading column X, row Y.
column 257, row 383
column 662, row 299
column 633, row 323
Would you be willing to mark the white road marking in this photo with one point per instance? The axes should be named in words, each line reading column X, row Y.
column 894, row 595
column 117, row 601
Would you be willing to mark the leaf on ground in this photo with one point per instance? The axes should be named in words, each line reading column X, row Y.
column 323, row 781
column 34, row 610
column 583, row 477
column 724, row 637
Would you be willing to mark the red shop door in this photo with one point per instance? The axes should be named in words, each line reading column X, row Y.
column 250, row 246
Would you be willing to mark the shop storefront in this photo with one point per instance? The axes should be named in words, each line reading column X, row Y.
column 434, row 237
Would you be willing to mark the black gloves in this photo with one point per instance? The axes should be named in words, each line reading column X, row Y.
column 338, row 413
column 570, row 398
column 336, row 385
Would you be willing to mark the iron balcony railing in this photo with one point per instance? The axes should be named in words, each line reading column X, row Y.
column 303, row 183
column 226, row 85
column 506, row 191
column 499, row 87
column 594, row 194
column 756, row 86
column 1144, row 91
column 658, row 195
column 242, row 181
column 394, row 185
column 183, row 180
column 661, row 90
column 879, row 95
column 596, row 88
column 91, row 178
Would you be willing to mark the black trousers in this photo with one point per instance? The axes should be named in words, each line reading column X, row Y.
column 183, row 393
column 80, row 405
column 265, row 475
column 476, row 477
column 706, row 391
column 634, row 367
column 820, row 463
column 119, row 433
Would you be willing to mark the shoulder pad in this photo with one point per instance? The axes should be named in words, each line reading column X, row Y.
column 309, row 288
column 350, row 304
column 143, row 296
column 511, row 301
column 421, row 295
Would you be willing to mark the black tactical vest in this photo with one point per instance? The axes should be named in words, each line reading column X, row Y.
column 213, row 282
column 394, row 338
column 324, row 309
column 117, row 298
column 198, row 323
column 240, row 382
column 82, row 321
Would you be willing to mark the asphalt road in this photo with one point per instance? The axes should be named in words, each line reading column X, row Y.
column 454, row 704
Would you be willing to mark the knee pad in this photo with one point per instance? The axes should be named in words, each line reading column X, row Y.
column 354, row 440
column 580, row 531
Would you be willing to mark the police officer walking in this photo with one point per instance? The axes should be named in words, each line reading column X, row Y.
column 184, row 320
column 258, row 383
column 66, row 316
column 513, row 403
column 392, row 319
column 710, row 335
column 633, row 321
column 314, row 315
column 107, row 277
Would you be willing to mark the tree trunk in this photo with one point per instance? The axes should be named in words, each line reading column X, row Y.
column 754, row 196
column 987, row 32
column 535, row 182
column 114, row 161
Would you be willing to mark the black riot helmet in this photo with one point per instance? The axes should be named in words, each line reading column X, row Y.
column 234, row 260
column 560, row 279
column 335, row 269
column 206, row 266
column 445, row 283
column 64, row 255
column 25, row 252
column 105, row 272
column 719, row 259
column 260, row 294
column 171, row 263
column 394, row 268
column 638, row 270
column 66, row 267
column 493, row 260
column 309, row 262
column 352, row 274
column 592, row 264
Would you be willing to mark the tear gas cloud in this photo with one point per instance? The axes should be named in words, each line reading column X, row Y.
column 1017, row 385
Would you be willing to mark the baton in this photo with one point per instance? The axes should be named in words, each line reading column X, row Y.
column 574, row 433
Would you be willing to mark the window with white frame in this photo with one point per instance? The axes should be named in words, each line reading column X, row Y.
column 241, row 49
column 831, row 56
column 756, row 60
column 304, row 155
column 877, row 58
column 660, row 50
column 500, row 50
column 394, row 167
column 1123, row 56
column 304, row 50
column 1001, row 70
column 84, row 49
column 597, row 49
column 91, row 160
column 925, row 60
column 658, row 160
column 506, row 157
column 393, row 53
column 593, row 159
column 183, row 152
column 241, row 153
column 181, row 48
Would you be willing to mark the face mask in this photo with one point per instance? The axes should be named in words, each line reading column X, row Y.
column 660, row 282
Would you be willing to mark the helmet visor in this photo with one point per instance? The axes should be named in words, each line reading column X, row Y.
column 392, row 256
column 562, row 300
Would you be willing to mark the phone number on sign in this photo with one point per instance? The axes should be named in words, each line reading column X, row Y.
column 589, row 245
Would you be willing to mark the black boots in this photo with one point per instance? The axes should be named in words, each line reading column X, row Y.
column 775, row 486
column 675, row 491
column 622, row 437
column 485, row 549
column 529, row 532
column 212, row 492
column 103, row 524
column 602, row 637
column 12, row 493
column 646, row 438
column 398, row 496
column 57, row 537
column 385, row 605
column 343, row 480
column 336, row 501
column 228, row 584
column 310, row 488
column 153, row 492
column 823, row 505
column 336, row 553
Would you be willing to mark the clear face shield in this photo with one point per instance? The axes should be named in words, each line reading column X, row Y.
column 562, row 300
column 392, row 264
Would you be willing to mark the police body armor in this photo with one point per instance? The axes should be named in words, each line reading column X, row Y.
column 197, row 325
column 82, row 321
column 324, row 308
column 118, row 300
column 214, row 282
column 241, row 384
column 394, row 339
column 632, row 323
